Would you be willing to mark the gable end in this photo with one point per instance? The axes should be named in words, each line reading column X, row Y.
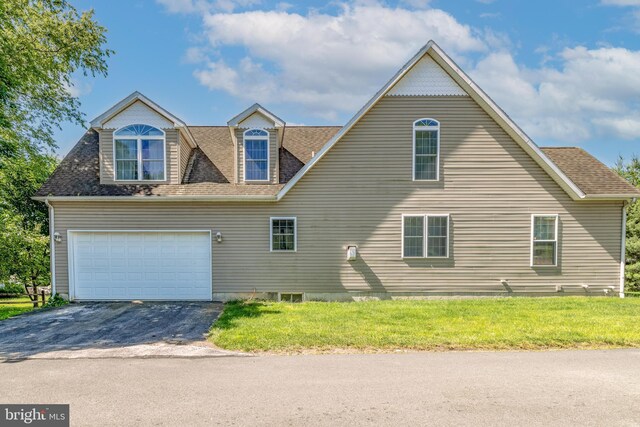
column 426, row 77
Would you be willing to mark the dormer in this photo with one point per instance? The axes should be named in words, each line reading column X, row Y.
column 257, row 136
column 142, row 143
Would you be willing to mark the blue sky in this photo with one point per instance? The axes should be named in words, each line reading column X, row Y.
column 567, row 71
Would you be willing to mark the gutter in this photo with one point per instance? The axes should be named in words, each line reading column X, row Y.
column 52, row 215
column 176, row 198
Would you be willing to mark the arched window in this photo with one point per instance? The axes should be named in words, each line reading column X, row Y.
column 139, row 153
column 426, row 150
column 256, row 155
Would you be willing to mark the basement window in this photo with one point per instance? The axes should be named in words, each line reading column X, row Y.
column 290, row 296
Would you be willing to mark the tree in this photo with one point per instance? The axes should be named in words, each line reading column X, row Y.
column 631, row 172
column 42, row 44
column 24, row 254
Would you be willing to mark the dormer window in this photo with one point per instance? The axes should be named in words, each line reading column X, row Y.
column 139, row 152
column 426, row 150
column 256, row 155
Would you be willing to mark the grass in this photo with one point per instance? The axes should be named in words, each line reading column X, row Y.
column 10, row 310
column 464, row 324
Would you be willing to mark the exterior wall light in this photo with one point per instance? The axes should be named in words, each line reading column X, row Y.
column 352, row 253
column 219, row 237
column 57, row 237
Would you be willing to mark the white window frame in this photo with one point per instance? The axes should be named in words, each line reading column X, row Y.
column 295, row 233
column 425, row 236
column 139, row 139
column 244, row 148
column 556, row 240
column 413, row 159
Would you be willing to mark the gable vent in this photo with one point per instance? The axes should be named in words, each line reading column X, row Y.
column 426, row 78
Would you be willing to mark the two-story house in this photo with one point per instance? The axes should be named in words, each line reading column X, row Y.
column 430, row 189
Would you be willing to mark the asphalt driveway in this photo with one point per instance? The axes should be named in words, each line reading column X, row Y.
column 78, row 327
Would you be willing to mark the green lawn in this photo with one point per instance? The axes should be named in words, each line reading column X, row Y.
column 9, row 310
column 496, row 323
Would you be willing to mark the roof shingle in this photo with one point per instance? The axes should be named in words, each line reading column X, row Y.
column 211, row 168
column 588, row 173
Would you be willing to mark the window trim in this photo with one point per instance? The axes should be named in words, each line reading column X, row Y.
column 244, row 155
column 556, row 240
column 139, row 159
column 425, row 236
column 424, row 232
column 413, row 161
column 295, row 234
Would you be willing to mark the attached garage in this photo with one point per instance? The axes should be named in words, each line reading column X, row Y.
column 140, row 265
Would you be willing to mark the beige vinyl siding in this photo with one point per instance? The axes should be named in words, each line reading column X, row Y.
column 273, row 156
column 356, row 195
column 107, row 171
column 185, row 154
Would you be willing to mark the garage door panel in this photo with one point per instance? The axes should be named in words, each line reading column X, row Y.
column 141, row 265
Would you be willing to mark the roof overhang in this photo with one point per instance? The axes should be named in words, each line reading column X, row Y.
column 103, row 118
column 485, row 102
column 172, row 198
column 256, row 108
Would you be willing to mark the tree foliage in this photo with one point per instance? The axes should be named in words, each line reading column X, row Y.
column 631, row 172
column 24, row 253
column 42, row 44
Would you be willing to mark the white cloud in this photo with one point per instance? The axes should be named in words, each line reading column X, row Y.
column 594, row 94
column 328, row 65
column 620, row 2
column 324, row 63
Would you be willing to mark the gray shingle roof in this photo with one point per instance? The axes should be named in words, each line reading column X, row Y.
column 588, row 173
column 210, row 170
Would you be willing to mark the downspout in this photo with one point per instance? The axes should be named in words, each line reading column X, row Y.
column 623, row 249
column 52, row 245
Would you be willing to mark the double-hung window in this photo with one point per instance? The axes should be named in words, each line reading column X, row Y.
column 256, row 155
column 283, row 234
column 426, row 150
column 425, row 236
column 139, row 152
column 544, row 240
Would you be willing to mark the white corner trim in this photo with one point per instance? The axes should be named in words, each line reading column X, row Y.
column 52, row 247
column 476, row 93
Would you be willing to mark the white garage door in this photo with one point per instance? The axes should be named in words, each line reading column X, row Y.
column 140, row 265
